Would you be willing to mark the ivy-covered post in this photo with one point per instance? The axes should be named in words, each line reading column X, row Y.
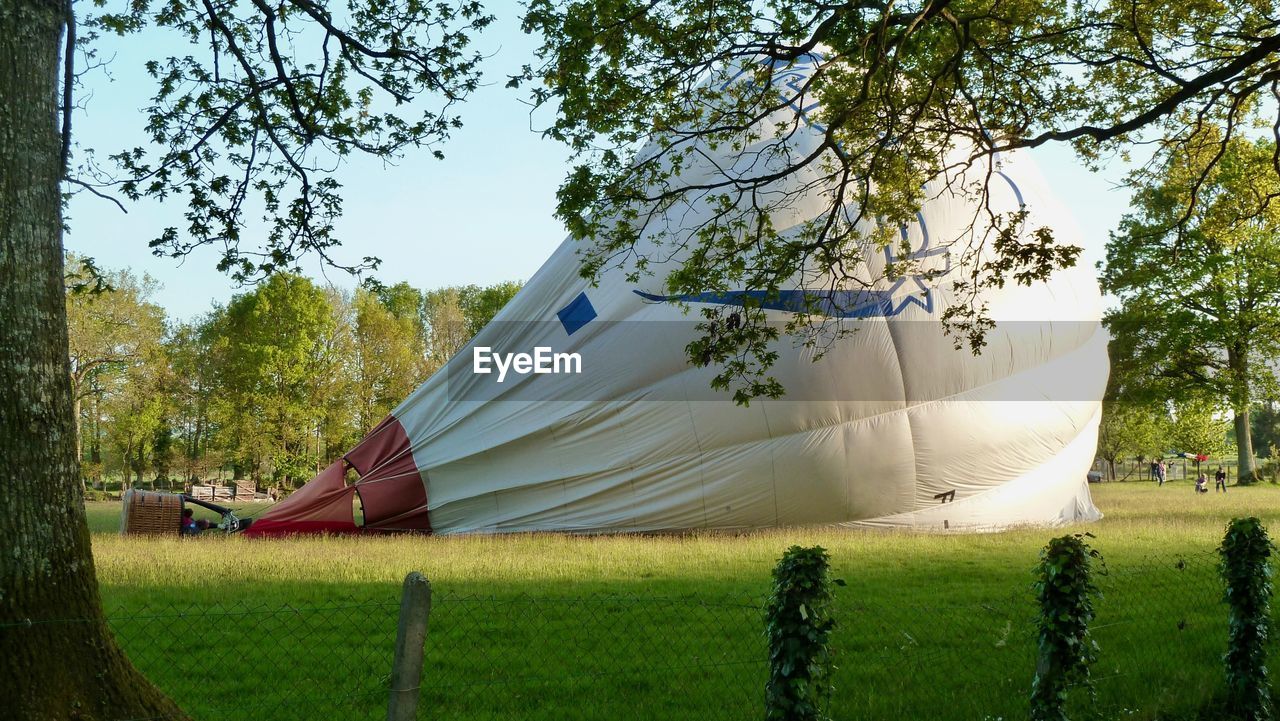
column 798, row 624
column 1246, row 572
column 1065, row 590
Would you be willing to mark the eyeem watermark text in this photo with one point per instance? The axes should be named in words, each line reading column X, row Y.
column 542, row 361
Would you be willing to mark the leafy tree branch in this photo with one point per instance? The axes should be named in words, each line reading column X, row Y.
column 911, row 101
column 271, row 99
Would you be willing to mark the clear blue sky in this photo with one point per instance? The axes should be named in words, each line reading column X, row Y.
column 482, row 215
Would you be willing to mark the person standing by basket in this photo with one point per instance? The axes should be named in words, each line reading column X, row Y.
column 189, row 526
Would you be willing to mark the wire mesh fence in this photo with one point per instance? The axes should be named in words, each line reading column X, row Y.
column 266, row 662
column 594, row 657
column 966, row 651
column 962, row 661
column 1160, row 627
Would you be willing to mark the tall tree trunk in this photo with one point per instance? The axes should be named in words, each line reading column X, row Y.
column 195, row 444
column 1247, row 470
column 139, row 463
column 95, row 445
column 59, row 660
column 75, row 414
column 126, row 469
column 1241, row 401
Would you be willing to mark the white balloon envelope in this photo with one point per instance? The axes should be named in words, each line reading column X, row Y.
column 606, row 426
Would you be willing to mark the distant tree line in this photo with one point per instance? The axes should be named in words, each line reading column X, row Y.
column 1143, row 432
column 271, row 386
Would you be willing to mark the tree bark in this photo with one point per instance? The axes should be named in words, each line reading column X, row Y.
column 75, row 415
column 1241, row 400
column 1247, row 468
column 126, row 465
column 59, row 660
column 194, row 453
column 139, row 463
column 95, row 447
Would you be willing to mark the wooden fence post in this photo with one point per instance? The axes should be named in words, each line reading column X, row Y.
column 411, row 637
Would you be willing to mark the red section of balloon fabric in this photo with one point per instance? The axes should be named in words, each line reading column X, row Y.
column 378, row 445
column 391, row 489
column 322, row 505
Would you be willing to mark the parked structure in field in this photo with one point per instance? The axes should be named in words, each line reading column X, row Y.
column 891, row 427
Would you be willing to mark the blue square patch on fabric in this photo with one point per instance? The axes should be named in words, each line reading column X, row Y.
column 578, row 313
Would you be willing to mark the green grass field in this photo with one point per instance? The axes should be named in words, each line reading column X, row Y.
column 549, row 626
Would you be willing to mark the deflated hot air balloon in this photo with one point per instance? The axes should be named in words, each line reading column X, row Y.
column 577, row 409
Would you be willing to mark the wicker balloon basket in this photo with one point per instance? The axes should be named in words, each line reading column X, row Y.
column 151, row 513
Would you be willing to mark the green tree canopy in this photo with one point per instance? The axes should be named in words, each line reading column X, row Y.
column 481, row 303
column 271, row 342
column 111, row 331
column 452, row 316
column 137, row 411
column 1266, row 429
column 391, row 353
column 228, row 386
column 1200, row 296
column 1201, row 427
column 1131, row 430
column 193, row 392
